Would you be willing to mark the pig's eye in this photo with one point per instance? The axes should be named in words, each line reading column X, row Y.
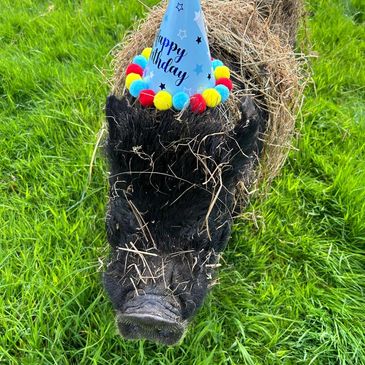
column 180, row 281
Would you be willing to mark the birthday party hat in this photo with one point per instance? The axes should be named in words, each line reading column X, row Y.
column 178, row 70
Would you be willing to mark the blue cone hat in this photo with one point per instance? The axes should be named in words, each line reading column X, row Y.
column 180, row 58
column 178, row 70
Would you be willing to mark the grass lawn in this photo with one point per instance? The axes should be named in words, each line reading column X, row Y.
column 292, row 290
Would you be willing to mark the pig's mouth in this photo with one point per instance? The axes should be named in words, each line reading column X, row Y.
column 152, row 317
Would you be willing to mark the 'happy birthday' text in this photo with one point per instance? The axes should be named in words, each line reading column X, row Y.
column 164, row 45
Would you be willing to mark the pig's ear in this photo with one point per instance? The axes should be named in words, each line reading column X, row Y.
column 245, row 137
column 118, row 112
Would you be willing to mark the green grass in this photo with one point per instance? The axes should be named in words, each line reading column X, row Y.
column 292, row 289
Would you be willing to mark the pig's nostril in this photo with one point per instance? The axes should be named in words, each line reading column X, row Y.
column 163, row 333
column 128, row 329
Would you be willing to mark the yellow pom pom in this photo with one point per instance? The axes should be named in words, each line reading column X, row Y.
column 147, row 53
column 222, row 72
column 130, row 78
column 163, row 100
column 212, row 97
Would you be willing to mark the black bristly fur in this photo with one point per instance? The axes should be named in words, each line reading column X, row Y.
column 163, row 166
column 172, row 188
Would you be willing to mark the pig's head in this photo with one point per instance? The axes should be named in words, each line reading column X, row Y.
column 172, row 188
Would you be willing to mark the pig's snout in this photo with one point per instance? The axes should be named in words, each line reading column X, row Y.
column 152, row 317
column 156, row 295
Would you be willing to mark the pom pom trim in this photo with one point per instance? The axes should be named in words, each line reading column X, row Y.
column 197, row 103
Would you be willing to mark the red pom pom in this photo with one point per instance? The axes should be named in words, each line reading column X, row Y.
column 146, row 97
column 198, row 104
column 134, row 69
column 226, row 82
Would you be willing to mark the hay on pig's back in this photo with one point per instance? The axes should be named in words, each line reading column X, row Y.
column 267, row 68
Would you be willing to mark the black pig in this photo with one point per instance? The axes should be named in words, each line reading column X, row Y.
column 172, row 192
